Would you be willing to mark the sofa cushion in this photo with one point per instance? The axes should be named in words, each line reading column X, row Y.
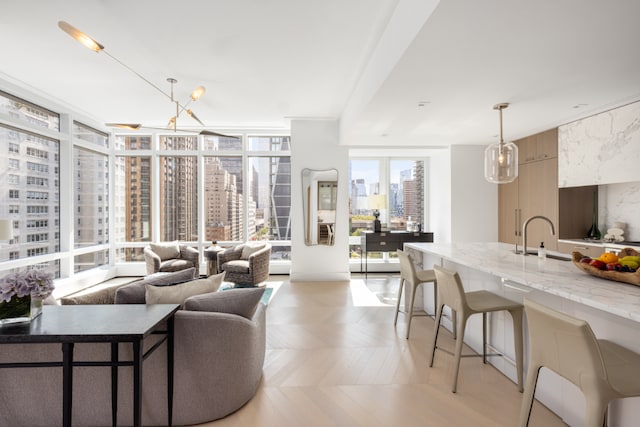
column 102, row 296
column 175, row 265
column 176, row 294
column 134, row 293
column 241, row 302
column 237, row 266
column 166, row 250
column 249, row 249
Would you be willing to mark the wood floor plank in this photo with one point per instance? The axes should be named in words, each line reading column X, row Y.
column 334, row 358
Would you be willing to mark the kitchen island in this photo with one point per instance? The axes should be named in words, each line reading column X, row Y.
column 611, row 308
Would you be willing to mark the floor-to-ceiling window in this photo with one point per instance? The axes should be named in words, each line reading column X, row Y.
column 90, row 197
column 392, row 188
column 30, row 183
column 202, row 188
column 80, row 198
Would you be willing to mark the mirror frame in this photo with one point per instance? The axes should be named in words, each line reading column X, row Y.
column 312, row 184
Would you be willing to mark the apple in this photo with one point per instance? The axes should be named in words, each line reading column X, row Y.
column 597, row 264
column 613, row 266
column 585, row 259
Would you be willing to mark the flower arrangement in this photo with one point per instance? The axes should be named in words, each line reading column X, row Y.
column 32, row 282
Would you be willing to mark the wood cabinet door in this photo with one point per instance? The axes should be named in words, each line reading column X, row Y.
column 508, row 225
column 538, row 195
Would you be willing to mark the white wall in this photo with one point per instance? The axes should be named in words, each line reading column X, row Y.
column 464, row 206
column 440, row 196
column 474, row 200
column 314, row 145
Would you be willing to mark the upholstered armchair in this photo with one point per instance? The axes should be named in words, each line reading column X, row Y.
column 170, row 256
column 246, row 264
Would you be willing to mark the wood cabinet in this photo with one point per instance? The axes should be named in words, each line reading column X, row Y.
column 538, row 195
column 540, row 146
column 534, row 192
column 592, row 251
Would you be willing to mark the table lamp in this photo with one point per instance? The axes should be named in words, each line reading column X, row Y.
column 377, row 202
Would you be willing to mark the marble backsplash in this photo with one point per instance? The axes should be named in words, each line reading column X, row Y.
column 620, row 202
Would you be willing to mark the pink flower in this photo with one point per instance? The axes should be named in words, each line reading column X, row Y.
column 31, row 282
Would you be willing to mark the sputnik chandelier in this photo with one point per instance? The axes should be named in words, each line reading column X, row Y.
column 179, row 107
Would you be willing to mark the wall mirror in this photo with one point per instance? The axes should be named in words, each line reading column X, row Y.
column 320, row 193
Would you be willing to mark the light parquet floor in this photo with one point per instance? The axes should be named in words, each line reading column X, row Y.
column 334, row 358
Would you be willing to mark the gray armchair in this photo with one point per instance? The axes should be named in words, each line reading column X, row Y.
column 170, row 256
column 246, row 264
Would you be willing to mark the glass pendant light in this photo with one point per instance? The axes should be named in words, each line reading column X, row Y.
column 501, row 159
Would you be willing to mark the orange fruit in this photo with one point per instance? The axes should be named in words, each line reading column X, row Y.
column 608, row 257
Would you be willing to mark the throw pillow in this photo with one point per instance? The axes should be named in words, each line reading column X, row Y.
column 168, row 250
column 134, row 293
column 241, row 302
column 248, row 250
column 178, row 293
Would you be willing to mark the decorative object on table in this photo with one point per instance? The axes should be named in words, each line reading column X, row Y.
column 615, row 234
column 21, row 295
column 594, row 232
column 501, row 159
column 626, row 262
column 376, row 202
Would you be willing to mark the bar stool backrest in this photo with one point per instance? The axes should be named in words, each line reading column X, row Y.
column 450, row 289
column 407, row 269
column 564, row 344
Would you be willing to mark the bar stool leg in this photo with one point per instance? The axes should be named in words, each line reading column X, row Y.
column 395, row 321
column 516, row 316
column 462, row 323
column 412, row 299
column 436, row 329
column 484, row 338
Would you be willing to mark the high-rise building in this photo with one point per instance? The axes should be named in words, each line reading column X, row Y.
column 179, row 190
column 223, row 203
column 30, row 179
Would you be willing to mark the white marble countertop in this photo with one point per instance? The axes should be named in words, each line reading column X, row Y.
column 560, row 278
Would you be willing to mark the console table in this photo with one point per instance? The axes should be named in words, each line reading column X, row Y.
column 114, row 324
column 388, row 241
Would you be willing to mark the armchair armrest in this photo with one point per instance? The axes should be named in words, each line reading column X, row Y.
column 191, row 254
column 259, row 264
column 152, row 260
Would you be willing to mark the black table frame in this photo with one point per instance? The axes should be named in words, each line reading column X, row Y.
column 41, row 330
column 388, row 241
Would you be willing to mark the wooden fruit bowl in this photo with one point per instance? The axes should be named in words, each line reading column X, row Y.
column 618, row 276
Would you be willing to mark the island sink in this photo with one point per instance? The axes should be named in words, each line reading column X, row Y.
column 558, row 257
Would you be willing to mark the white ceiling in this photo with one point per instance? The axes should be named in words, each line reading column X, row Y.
column 368, row 63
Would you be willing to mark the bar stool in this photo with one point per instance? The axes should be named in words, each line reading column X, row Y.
column 413, row 278
column 465, row 304
column 603, row 370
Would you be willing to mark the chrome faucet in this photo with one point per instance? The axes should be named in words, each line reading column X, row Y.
column 524, row 230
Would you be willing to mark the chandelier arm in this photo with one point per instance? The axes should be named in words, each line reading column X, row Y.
column 137, row 74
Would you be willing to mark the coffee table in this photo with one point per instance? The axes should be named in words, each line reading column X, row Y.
column 113, row 324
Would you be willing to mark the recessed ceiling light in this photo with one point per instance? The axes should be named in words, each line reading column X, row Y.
column 423, row 103
column 580, row 105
